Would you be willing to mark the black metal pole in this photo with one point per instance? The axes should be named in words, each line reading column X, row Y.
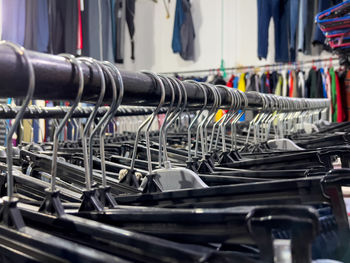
column 34, row 112
column 56, row 79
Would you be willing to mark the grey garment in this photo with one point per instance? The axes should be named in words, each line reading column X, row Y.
column 130, row 15
column 107, row 42
column 56, row 26
column 311, row 11
column 37, row 27
column 293, row 24
column 97, row 30
column 91, row 32
column 187, row 33
column 302, row 24
column 31, row 31
column 120, row 20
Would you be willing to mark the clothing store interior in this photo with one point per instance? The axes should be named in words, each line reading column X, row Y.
column 175, row 131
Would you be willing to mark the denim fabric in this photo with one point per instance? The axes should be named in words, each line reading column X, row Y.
column 179, row 20
column 294, row 18
column 278, row 10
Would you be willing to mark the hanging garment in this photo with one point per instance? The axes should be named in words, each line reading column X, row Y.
column 230, row 81
column 285, row 83
column 120, row 20
column 262, row 83
column 251, row 82
column 340, row 112
column 278, row 90
column 247, row 79
column 107, row 48
column 71, row 26
column 342, row 76
column 311, row 83
column 80, row 29
column 56, row 26
column 317, row 91
column 291, row 84
column 329, row 93
column 235, row 82
column 91, row 30
column 267, row 87
column 309, row 26
column 334, row 95
column 278, row 10
column 113, row 26
column 347, row 94
column 97, row 30
column 219, row 80
column 301, row 84
column 257, row 83
column 302, row 24
column 63, row 20
column 13, row 21
column 130, row 15
column 37, row 25
column 293, row 23
column 295, row 84
column 273, row 81
column 183, row 34
column 241, row 83
column 31, row 29
column 324, row 83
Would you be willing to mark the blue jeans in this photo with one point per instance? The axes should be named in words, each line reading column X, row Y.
column 278, row 9
column 294, row 18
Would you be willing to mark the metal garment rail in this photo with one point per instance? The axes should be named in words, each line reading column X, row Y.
column 294, row 64
column 57, row 79
column 35, row 112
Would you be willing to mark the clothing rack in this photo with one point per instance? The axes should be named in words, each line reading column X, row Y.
column 56, row 79
column 252, row 66
column 36, row 112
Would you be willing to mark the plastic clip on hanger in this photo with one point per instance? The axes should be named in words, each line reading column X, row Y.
column 168, row 178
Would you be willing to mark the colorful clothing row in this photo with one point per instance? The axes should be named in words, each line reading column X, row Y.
column 314, row 83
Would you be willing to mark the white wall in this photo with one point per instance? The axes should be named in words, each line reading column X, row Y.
column 153, row 36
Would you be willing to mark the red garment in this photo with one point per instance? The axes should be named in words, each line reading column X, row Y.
column 340, row 112
column 80, row 31
column 291, row 84
column 347, row 94
column 230, row 82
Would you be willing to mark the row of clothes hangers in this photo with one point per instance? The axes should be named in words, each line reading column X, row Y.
column 179, row 194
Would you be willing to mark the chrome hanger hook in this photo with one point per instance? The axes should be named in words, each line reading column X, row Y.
column 86, row 152
column 21, row 52
column 76, row 64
